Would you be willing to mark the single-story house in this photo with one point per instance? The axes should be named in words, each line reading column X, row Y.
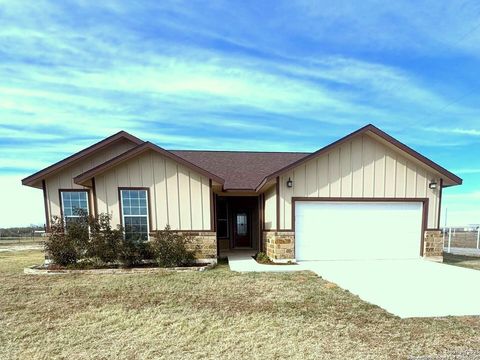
column 366, row 195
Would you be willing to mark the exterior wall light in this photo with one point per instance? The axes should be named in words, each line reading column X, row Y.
column 289, row 183
column 432, row 185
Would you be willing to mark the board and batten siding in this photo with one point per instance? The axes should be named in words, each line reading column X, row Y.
column 270, row 216
column 179, row 197
column 64, row 178
column 361, row 168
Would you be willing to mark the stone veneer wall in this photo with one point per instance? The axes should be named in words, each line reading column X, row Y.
column 433, row 244
column 279, row 245
column 204, row 244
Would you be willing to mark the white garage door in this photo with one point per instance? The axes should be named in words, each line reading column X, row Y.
column 357, row 230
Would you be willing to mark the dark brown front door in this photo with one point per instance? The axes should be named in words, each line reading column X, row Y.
column 241, row 229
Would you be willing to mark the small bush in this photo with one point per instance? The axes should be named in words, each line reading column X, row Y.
column 170, row 249
column 262, row 258
column 87, row 242
column 104, row 241
column 61, row 249
column 131, row 251
column 76, row 231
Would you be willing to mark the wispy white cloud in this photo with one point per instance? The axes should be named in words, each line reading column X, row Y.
column 467, row 171
column 454, row 131
column 21, row 164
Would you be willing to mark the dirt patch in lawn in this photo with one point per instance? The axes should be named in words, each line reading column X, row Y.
column 210, row 315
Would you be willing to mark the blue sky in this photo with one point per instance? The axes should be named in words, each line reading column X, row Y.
column 245, row 75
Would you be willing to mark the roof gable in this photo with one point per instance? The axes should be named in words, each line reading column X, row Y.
column 452, row 178
column 84, row 178
column 35, row 179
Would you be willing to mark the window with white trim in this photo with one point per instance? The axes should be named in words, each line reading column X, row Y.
column 135, row 213
column 73, row 203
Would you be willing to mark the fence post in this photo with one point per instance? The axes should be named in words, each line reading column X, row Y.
column 449, row 238
column 478, row 238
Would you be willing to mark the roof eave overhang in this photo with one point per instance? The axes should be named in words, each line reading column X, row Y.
column 85, row 177
column 35, row 179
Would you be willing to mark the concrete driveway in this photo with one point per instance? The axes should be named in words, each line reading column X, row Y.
column 406, row 288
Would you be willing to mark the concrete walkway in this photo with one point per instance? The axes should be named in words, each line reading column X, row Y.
column 244, row 262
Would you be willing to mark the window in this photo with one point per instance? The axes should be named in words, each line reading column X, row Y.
column 72, row 201
column 242, row 229
column 135, row 213
column 222, row 219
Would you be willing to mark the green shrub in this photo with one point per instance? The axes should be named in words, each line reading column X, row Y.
column 89, row 241
column 170, row 249
column 76, row 232
column 262, row 258
column 131, row 251
column 61, row 249
column 105, row 242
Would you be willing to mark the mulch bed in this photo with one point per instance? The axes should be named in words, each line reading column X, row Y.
column 270, row 262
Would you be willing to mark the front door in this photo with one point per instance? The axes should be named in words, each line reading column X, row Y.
column 241, row 229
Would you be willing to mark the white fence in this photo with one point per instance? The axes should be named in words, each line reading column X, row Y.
column 458, row 237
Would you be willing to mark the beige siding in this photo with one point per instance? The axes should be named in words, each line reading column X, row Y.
column 322, row 177
column 200, row 216
column 178, row 197
column 206, row 199
column 286, row 195
column 334, row 172
column 271, row 208
column 159, row 195
column 368, row 167
column 362, row 167
column 380, row 175
column 311, row 179
column 64, row 178
column 356, row 146
column 390, row 169
column 346, row 170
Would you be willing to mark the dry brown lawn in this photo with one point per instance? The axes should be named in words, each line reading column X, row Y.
column 212, row 315
column 462, row 239
column 463, row 261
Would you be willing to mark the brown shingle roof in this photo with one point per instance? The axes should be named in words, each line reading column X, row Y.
column 240, row 170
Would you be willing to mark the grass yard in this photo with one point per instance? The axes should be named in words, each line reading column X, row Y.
column 210, row 315
column 464, row 261
column 21, row 240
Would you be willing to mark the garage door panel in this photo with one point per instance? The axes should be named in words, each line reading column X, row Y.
column 357, row 230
